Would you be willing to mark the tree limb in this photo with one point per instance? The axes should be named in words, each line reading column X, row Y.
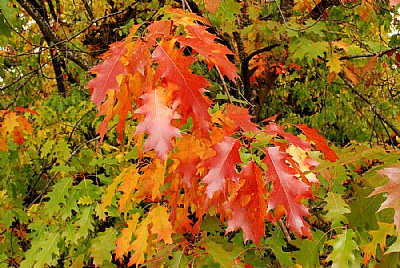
column 53, row 37
column 372, row 54
column 261, row 50
column 320, row 8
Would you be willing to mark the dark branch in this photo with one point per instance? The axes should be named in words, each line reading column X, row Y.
column 372, row 54
column 49, row 33
column 261, row 50
column 320, row 8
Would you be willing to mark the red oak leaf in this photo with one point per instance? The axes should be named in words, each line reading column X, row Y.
column 173, row 67
column 222, row 165
column 273, row 129
column 157, row 123
column 204, row 43
column 320, row 142
column 393, row 190
column 287, row 190
column 249, row 206
column 107, row 73
column 240, row 116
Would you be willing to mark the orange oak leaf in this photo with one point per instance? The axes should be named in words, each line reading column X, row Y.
column 320, row 142
column 123, row 242
column 212, row 5
column 188, row 154
column 249, row 205
column 130, row 178
column 303, row 163
column 160, row 224
column 139, row 246
column 222, row 165
column 151, row 181
column 13, row 126
column 273, row 129
column 157, row 123
column 287, row 190
column 393, row 190
column 241, row 118
column 173, row 67
column 107, row 73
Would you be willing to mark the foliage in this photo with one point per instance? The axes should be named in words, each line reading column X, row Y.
column 188, row 178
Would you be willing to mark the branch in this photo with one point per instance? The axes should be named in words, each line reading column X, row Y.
column 320, row 8
column 261, row 50
column 53, row 37
column 373, row 106
column 371, row 54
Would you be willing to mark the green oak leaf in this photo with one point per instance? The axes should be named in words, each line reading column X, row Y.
column 343, row 247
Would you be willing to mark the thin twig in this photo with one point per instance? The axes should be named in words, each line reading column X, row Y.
column 285, row 231
column 373, row 106
column 371, row 54
column 224, row 84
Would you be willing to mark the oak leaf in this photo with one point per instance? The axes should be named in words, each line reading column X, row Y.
column 287, row 190
column 343, row 247
column 222, row 165
column 107, row 73
column 393, row 190
column 157, row 123
column 188, row 155
column 214, row 54
column 249, row 206
column 241, row 118
column 320, row 142
column 140, row 245
column 123, row 242
column 160, row 224
column 173, row 68
column 272, row 129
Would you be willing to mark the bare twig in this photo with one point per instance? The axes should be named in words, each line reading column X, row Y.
column 373, row 106
column 53, row 37
column 224, row 84
column 284, row 230
column 372, row 54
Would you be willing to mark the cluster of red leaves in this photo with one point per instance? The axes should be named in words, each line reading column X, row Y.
column 14, row 126
column 200, row 169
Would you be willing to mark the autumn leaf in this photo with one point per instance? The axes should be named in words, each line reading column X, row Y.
column 123, row 242
column 336, row 207
column 222, row 165
column 392, row 188
column 140, row 244
column 129, row 178
column 174, row 68
column 212, row 5
column 204, row 43
column 273, row 129
column 320, row 142
column 343, row 247
column 378, row 237
column 302, row 163
column 157, row 123
column 188, row 155
column 249, row 205
column 160, row 224
column 107, row 73
column 287, row 190
column 241, row 118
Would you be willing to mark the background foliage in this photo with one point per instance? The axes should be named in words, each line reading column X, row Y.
column 69, row 200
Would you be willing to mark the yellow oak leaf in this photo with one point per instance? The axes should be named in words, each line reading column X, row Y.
column 160, row 224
